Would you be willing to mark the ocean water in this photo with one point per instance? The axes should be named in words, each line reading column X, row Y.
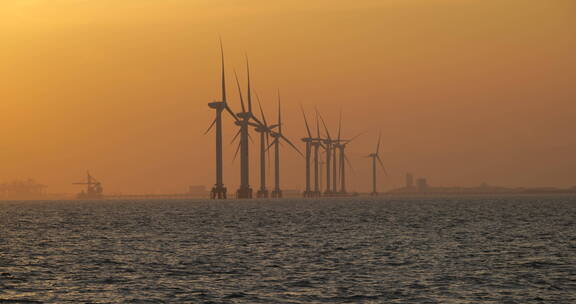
column 359, row 250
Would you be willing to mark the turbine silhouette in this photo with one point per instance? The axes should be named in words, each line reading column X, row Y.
column 308, row 142
column 328, row 145
column 277, row 192
column 317, row 144
column 245, row 120
column 376, row 157
column 265, row 130
column 219, row 190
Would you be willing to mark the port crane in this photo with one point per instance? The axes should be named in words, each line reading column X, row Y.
column 93, row 187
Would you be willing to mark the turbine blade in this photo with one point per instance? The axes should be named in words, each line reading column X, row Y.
column 317, row 124
column 291, row 144
column 223, row 72
column 261, row 111
column 272, row 144
column 357, row 135
column 381, row 164
column 349, row 163
column 231, row 112
column 210, row 127
column 256, row 125
column 279, row 114
column 249, row 90
column 339, row 125
column 259, row 123
column 378, row 145
column 306, row 121
column 240, row 92
column 236, row 136
column 325, row 127
column 236, row 153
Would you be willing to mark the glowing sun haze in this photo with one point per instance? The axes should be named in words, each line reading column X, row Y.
column 464, row 91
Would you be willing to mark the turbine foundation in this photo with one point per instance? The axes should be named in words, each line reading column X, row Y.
column 244, row 193
column 262, row 194
column 277, row 194
column 218, row 192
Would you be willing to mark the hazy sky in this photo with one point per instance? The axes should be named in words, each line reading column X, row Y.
column 464, row 91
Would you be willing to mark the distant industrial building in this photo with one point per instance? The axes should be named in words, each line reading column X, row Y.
column 409, row 181
column 199, row 191
column 422, row 185
column 22, row 189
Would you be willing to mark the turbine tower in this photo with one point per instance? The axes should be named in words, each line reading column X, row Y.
column 376, row 156
column 328, row 148
column 243, row 123
column 277, row 192
column 265, row 130
column 219, row 190
column 339, row 145
column 335, row 149
column 316, row 144
column 308, row 141
column 343, row 160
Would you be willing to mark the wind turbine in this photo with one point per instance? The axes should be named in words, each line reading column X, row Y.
column 342, row 144
column 308, row 141
column 339, row 145
column 328, row 148
column 316, row 144
column 219, row 190
column 265, row 130
column 277, row 192
column 335, row 148
column 243, row 123
column 376, row 156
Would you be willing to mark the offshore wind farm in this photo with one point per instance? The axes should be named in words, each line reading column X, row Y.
column 333, row 148
column 392, row 151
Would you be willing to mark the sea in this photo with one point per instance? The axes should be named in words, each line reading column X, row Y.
column 484, row 249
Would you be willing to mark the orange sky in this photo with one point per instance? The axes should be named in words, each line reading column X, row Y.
column 464, row 91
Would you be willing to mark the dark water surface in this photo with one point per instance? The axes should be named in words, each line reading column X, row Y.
column 361, row 250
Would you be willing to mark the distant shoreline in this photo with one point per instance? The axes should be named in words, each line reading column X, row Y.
column 360, row 195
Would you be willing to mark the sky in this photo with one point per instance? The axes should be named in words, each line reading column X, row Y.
column 463, row 91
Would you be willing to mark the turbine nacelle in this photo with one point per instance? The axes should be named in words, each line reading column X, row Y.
column 244, row 115
column 263, row 128
column 220, row 105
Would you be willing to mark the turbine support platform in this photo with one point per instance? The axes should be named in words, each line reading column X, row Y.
column 218, row 192
column 244, row 193
column 277, row 194
column 262, row 194
column 340, row 194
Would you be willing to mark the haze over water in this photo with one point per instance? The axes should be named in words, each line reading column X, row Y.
column 361, row 250
column 464, row 92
